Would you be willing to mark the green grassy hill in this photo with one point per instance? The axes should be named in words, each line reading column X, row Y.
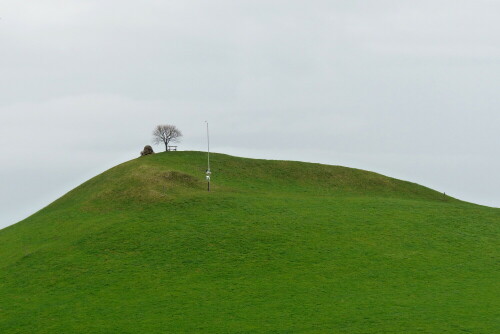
column 276, row 247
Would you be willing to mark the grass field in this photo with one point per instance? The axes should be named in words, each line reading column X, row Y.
column 276, row 247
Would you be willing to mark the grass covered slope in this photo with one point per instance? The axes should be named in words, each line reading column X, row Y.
column 276, row 247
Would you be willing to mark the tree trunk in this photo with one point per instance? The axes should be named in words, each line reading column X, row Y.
column 166, row 146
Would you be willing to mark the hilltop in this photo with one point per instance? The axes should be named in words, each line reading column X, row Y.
column 275, row 247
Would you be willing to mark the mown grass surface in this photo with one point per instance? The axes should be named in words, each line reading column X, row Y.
column 276, row 247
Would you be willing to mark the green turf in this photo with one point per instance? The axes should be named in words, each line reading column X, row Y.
column 276, row 247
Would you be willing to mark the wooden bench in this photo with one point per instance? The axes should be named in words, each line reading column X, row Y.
column 172, row 148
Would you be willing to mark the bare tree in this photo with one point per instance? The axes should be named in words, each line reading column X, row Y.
column 166, row 134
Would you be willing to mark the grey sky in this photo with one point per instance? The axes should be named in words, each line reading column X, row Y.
column 408, row 89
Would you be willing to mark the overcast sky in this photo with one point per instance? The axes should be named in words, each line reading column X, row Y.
column 409, row 89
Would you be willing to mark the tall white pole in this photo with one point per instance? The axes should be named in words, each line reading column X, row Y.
column 208, row 159
column 208, row 148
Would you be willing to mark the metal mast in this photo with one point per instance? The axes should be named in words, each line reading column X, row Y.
column 208, row 159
